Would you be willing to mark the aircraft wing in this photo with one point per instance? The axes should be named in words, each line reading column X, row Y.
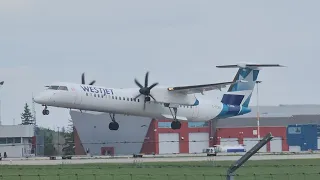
column 200, row 88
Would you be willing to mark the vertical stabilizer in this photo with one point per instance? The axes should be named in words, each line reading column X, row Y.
column 239, row 94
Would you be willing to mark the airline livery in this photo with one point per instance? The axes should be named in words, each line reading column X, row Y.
column 174, row 103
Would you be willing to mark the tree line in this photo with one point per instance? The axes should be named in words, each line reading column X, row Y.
column 50, row 147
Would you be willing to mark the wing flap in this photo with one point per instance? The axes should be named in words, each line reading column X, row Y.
column 168, row 116
column 200, row 88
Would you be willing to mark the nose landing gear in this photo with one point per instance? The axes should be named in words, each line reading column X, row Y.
column 45, row 111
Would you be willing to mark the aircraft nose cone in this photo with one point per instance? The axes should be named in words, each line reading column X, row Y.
column 40, row 99
column 37, row 99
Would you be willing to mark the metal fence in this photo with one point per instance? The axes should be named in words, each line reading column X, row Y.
column 108, row 176
column 175, row 171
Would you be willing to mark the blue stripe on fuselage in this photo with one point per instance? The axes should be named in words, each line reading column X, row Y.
column 229, row 111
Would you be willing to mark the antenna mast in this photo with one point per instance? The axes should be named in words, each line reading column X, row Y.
column 34, row 111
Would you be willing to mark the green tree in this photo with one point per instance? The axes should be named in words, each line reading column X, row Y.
column 27, row 117
column 63, row 130
column 68, row 147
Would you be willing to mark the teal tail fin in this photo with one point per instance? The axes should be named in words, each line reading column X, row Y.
column 239, row 94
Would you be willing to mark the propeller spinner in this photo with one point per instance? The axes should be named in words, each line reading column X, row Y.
column 145, row 90
column 84, row 82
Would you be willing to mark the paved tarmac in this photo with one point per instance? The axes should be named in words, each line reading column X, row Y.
column 168, row 159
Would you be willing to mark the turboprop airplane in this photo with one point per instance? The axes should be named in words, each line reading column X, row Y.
column 175, row 103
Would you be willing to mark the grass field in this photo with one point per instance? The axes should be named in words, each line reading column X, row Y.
column 280, row 169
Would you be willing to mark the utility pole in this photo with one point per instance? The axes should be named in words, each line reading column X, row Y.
column 34, row 123
column 1, row 84
column 258, row 110
column 34, row 111
column 0, row 111
column 58, row 141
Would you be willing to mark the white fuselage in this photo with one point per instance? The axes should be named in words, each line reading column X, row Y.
column 120, row 101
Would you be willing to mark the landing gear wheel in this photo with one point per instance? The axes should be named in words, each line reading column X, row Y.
column 113, row 126
column 175, row 125
column 45, row 112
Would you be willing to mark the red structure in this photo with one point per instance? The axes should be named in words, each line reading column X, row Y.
column 151, row 143
column 151, row 139
column 247, row 132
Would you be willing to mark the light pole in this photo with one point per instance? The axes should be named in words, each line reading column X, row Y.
column 258, row 111
column 1, row 84
column 58, row 141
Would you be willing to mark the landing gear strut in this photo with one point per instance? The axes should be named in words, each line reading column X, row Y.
column 175, row 124
column 113, row 125
column 45, row 111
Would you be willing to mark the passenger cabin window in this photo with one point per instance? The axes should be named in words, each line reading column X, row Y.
column 64, row 88
column 53, row 87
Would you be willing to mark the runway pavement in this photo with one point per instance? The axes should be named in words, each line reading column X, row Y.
column 133, row 160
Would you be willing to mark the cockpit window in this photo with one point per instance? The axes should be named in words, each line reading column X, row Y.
column 63, row 88
column 53, row 87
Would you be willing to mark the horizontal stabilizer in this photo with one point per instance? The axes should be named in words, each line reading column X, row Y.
column 249, row 65
column 168, row 116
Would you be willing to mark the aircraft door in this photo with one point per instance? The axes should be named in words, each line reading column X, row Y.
column 77, row 98
column 76, row 95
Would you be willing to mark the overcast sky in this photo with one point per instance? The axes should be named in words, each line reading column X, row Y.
column 180, row 42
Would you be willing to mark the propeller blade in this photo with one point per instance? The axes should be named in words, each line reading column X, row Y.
column 144, row 104
column 137, row 83
column 153, row 85
column 82, row 79
column 152, row 97
column 92, row 82
column 137, row 96
column 146, row 80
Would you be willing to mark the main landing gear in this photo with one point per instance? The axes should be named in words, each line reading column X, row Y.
column 113, row 125
column 175, row 124
column 45, row 111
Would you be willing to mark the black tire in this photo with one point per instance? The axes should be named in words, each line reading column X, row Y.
column 113, row 126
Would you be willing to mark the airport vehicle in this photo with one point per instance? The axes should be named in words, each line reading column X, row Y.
column 175, row 103
column 213, row 151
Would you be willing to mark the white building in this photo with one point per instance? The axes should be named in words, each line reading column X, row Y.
column 16, row 140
